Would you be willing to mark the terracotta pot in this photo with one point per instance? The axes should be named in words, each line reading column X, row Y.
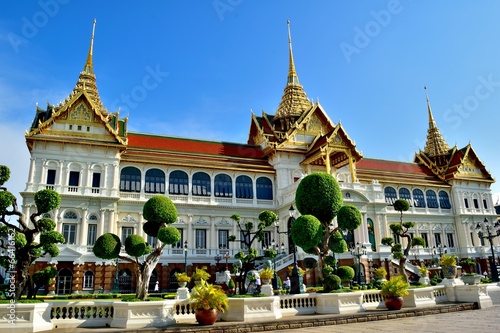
column 206, row 317
column 393, row 302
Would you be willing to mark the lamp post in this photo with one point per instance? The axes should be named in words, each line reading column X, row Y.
column 226, row 256
column 490, row 231
column 358, row 251
column 295, row 278
column 115, row 283
column 217, row 259
column 185, row 256
column 440, row 250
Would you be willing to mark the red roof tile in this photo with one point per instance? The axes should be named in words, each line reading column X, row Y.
column 393, row 166
column 163, row 143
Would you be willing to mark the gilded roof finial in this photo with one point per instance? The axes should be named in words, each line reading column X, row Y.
column 435, row 145
column 88, row 64
column 294, row 100
column 292, row 74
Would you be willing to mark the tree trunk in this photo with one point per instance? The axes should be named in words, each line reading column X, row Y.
column 402, row 263
column 22, row 277
column 143, row 275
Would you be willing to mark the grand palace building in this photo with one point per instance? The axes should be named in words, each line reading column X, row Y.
column 105, row 173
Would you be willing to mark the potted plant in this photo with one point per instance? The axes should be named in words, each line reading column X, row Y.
column 182, row 279
column 200, row 274
column 393, row 291
column 424, row 274
column 231, row 287
column 470, row 277
column 448, row 264
column 266, row 275
column 207, row 301
column 380, row 273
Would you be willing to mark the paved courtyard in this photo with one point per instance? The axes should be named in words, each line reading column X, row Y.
column 484, row 321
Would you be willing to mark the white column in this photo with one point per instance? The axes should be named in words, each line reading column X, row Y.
column 111, row 221
column 101, row 224
column 83, row 228
column 60, row 175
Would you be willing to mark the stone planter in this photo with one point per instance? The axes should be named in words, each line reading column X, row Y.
column 135, row 315
column 25, row 317
column 471, row 279
column 253, row 309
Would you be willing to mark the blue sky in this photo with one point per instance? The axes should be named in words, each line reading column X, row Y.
column 215, row 61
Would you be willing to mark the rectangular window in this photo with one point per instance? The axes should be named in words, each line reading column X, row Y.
column 223, row 236
column 485, row 204
column 91, row 234
column 476, row 204
column 126, row 231
column 201, row 239
column 466, row 202
column 74, row 178
column 437, row 239
column 151, row 241
column 180, row 243
column 472, row 238
column 244, row 241
column 426, row 240
column 51, row 177
column 396, row 238
column 96, row 179
column 449, row 238
column 266, row 242
column 69, row 233
column 88, row 280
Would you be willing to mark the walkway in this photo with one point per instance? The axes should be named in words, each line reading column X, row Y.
column 448, row 318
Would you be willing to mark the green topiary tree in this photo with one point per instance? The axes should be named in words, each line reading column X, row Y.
column 319, row 201
column 43, row 278
column 159, row 211
column 19, row 238
column 248, row 236
column 401, row 229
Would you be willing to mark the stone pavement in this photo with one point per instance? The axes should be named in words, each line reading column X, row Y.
column 438, row 319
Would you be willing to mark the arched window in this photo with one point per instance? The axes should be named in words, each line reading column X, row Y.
column 88, row 280
column 371, row 233
column 201, row 184
column 418, row 198
column 404, row 194
column 244, row 188
column 264, row 188
column 349, row 239
column 70, row 215
column 178, row 183
column 223, row 186
column 444, row 200
column 64, row 281
column 431, row 199
column 125, row 281
column 130, row 180
column 390, row 195
column 155, row 181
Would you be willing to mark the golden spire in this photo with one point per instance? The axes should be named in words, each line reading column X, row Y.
column 292, row 74
column 294, row 100
column 87, row 81
column 435, row 145
column 88, row 64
